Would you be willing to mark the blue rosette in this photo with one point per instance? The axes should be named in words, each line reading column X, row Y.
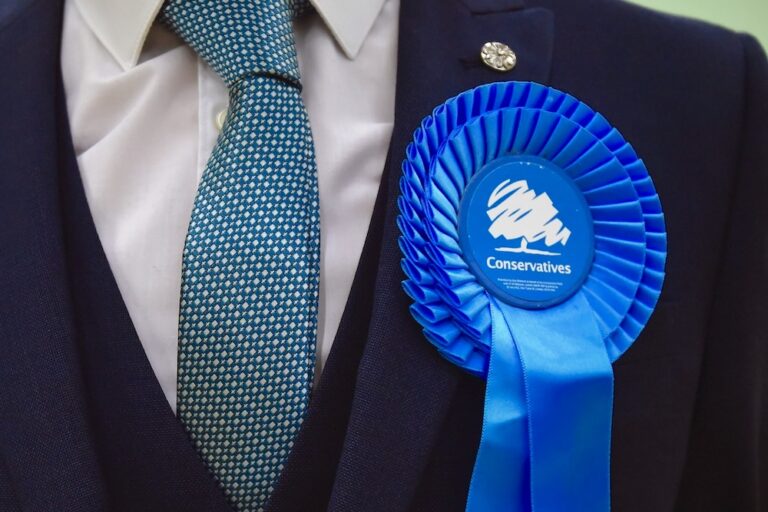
column 521, row 123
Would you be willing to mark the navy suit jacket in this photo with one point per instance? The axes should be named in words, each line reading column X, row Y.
column 392, row 427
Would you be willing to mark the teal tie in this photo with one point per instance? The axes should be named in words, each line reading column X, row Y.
column 249, row 294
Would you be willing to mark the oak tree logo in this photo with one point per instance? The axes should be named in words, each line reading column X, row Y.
column 517, row 213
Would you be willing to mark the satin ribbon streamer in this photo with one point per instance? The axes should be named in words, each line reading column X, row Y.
column 568, row 394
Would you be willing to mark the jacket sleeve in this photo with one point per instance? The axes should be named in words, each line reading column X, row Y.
column 727, row 461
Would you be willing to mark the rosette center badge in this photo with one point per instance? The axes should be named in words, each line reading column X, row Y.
column 526, row 232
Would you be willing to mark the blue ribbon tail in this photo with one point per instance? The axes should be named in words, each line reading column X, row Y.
column 561, row 397
column 500, row 480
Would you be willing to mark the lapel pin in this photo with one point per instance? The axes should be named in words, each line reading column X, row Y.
column 498, row 56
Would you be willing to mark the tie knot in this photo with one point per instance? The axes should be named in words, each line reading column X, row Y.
column 239, row 37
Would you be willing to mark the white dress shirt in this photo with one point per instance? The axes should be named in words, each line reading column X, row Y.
column 143, row 110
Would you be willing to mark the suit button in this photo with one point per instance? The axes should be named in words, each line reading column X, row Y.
column 220, row 118
column 498, row 56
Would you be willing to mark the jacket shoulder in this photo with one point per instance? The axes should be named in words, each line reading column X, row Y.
column 637, row 26
column 689, row 32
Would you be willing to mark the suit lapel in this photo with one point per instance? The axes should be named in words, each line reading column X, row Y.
column 79, row 399
column 42, row 395
column 403, row 388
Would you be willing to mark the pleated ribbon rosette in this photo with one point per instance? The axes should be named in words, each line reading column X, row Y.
column 546, row 356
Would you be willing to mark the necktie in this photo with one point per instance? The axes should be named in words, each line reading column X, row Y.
column 248, row 315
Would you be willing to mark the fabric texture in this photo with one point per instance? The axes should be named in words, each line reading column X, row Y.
column 250, row 273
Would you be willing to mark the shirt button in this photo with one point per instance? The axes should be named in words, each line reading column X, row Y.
column 498, row 56
column 220, row 118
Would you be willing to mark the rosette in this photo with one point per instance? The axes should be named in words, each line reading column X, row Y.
column 534, row 247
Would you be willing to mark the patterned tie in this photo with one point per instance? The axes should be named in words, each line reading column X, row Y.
column 249, row 293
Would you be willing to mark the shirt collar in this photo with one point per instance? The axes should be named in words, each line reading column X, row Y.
column 123, row 25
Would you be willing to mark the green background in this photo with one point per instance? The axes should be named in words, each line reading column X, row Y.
column 741, row 15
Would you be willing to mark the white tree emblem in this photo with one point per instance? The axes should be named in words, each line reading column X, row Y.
column 517, row 212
